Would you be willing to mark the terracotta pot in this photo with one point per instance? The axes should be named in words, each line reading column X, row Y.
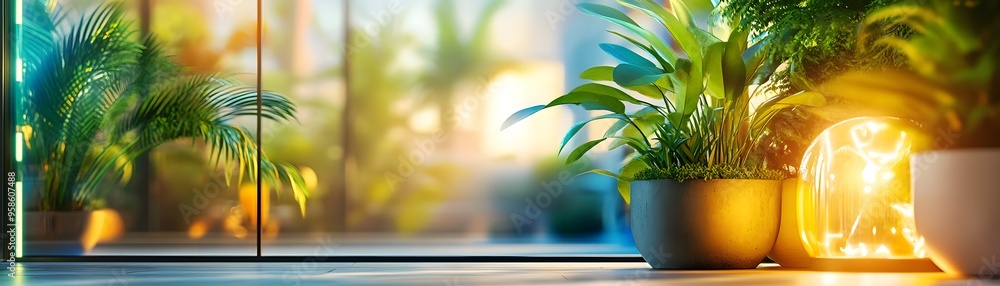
column 955, row 196
column 717, row 224
column 55, row 233
column 788, row 250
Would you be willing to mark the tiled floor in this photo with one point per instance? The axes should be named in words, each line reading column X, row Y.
column 449, row 274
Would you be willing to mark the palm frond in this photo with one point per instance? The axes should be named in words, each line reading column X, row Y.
column 96, row 100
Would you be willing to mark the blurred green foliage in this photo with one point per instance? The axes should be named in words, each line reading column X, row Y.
column 96, row 98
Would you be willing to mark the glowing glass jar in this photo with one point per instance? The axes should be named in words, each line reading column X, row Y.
column 855, row 200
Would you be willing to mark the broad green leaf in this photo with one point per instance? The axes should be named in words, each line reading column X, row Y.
column 609, row 91
column 627, row 56
column 633, row 142
column 734, row 72
column 700, row 10
column 521, row 115
column 650, row 91
column 764, row 71
column 682, row 35
column 582, row 149
column 646, row 112
column 678, row 30
column 617, row 126
column 664, row 84
column 605, row 73
column 754, row 55
column 601, row 172
column 682, row 13
column 715, row 86
column 705, row 38
column 675, row 118
column 598, row 73
column 663, row 62
column 647, row 119
column 579, row 126
column 628, row 75
column 686, row 95
column 590, row 101
column 606, row 12
column 619, row 18
column 626, row 175
column 759, row 66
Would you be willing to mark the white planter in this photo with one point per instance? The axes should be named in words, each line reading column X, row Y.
column 957, row 209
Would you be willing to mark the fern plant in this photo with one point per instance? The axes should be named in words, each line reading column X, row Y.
column 952, row 85
column 816, row 42
column 697, row 119
column 816, row 38
column 95, row 98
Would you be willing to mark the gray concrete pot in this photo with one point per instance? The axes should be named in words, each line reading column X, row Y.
column 955, row 197
column 717, row 224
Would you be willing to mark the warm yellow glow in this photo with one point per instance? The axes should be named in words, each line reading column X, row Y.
column 309, row 176
column 500, row 96
column 248, row 200
column 104, row 225
column 18, row 147
column 426, row 120
column 855, row 191
column 198, row 229
column 234, row 223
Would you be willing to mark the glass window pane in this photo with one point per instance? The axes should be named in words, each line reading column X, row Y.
column 122, row 134
column 398, row 130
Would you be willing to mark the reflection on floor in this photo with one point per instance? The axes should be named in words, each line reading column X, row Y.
column 309, row 272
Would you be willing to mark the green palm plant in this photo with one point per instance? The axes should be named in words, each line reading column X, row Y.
column 952, row 83
column 698, row 120
column 457, row 57
column 95, row 99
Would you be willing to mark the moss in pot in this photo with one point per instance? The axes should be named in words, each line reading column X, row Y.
column 696, row 217
column 700, row 196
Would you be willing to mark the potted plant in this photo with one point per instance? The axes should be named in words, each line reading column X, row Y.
column 815, row 40
column 95, row 98
column 950, row 89
column 699, row 197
